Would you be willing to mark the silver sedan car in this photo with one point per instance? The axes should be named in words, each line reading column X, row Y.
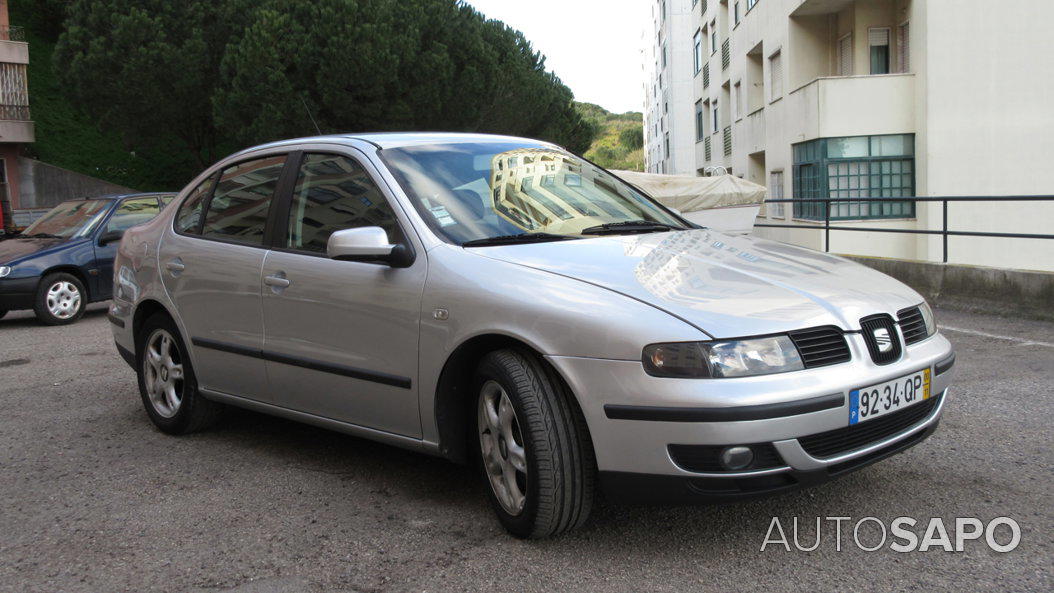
column 502, row 302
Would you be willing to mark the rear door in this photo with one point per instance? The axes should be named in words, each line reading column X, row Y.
column 211, row 261
column 129, row 213
column 341, row 337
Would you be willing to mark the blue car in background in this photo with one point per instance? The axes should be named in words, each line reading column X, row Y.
column 64, row 260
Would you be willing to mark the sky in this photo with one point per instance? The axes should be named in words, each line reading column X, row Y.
column 592, row 45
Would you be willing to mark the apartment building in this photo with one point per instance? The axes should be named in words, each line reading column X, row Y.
column 865, row 98
column 16, row 128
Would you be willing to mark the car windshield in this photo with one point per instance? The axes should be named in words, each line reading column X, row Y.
column 69, row 219
column 472, row 192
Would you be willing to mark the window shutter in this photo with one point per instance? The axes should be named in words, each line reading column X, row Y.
column 845, row 56
column 878, row 36
column 905, row 48
column 776, row 75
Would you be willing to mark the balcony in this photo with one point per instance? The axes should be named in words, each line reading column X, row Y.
column 852, row 106
column 13, row 46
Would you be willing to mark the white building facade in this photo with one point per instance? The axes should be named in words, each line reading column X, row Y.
column 866, row 98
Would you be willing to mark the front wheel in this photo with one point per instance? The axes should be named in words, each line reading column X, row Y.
column 60, row 299
column 167, row 383
column 535, row 452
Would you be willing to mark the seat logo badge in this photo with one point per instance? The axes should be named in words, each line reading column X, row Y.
column 441, row 314
column 883, row 340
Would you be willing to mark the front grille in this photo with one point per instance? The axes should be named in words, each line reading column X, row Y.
column 821, row 346
column 912, row 325
column 707, row 458
column 843, row 440
column 880, row 334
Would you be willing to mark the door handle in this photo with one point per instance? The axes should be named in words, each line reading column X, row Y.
column 277, row 280
column 175, row 266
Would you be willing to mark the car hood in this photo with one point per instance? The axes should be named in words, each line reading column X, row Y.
column 727, row 286
column 19, row 248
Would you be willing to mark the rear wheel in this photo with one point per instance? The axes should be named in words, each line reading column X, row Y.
column 60, row 299
column 167, row 383
column 533, row 446
column 2, row 313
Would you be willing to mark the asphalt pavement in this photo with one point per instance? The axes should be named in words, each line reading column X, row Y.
column 93, row 498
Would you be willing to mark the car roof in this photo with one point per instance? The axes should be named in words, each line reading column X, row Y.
column 123, row 196
column 384, row 140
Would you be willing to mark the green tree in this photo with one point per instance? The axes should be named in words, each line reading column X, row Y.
column 632, row 138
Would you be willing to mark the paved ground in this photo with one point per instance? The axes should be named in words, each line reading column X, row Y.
column 94, row 499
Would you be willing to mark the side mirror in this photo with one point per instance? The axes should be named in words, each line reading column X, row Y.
column 110, row 237
column 368, row 244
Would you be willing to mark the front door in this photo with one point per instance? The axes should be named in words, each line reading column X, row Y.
column 128, row 214
column 341, row 337
column 211, row 263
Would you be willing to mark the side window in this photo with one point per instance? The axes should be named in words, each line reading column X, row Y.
column 238, row 209
column 334, row 193
column 133, row 212
column 188, row 218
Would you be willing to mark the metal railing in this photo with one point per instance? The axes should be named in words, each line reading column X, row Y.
column 14, row 113
column 943, row 232
column 12, row 33
column 728, row 140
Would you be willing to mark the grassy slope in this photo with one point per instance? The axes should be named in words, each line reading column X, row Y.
column 607, row 150
column 68, row 138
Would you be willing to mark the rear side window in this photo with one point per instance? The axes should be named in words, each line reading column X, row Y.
column 188, row 218
column 238, row 208
column 333, row 193
column 133, row 212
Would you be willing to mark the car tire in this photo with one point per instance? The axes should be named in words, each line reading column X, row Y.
column 527, row 423
column 60, row 299
column 167, row 384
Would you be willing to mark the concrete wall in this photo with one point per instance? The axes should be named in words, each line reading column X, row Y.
column 45, row 185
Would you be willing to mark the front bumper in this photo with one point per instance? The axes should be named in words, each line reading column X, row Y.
column 775, row 411
column 18, row 293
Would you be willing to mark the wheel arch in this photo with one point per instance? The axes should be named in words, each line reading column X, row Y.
column 454, row 401
column 143, row 311
column 73, row 271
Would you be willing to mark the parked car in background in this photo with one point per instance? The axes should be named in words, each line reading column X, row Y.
column 64, row 260
column 502, row 301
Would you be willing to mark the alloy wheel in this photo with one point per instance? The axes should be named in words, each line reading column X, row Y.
column 163, row 373
column 501, row 444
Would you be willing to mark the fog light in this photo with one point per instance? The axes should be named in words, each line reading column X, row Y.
column 736, row 458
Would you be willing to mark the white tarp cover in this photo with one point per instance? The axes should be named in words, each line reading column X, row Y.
column 692, row 194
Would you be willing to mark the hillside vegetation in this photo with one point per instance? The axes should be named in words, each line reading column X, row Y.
column 619, row 140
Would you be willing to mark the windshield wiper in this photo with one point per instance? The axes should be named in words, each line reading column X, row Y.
column 630, row 226
column 41, row 236
column 514, row 239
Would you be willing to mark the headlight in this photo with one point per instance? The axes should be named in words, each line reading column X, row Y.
column 927, row 317
column 732, row 358
column 4, row 271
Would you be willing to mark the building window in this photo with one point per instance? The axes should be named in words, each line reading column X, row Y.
column 697, row 51
column 716, row 125
column 845, row 55
column 776, row 193
column 878, row 40
column 700, row 121
column 776, row 75
column 667, row 145
column 735, row 12
column 663, row 55
column 904, row 47
column 738, row 99
column 751, row 3
column 855, row 167
column 662, row 10
column 713, row 37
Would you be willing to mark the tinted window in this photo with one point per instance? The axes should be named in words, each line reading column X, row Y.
column 133, row 212
column 333, row 193
column 188, row 219
column 238, row 209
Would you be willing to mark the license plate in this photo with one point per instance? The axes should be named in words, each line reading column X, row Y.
column 868, row 403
